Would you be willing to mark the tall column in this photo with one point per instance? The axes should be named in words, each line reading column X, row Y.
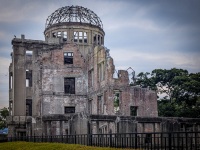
column 19, row 81
column 69, row 127
column 100, row 40
column 90, row 40
column 61, row 127
column 45, row 128
column 109, row 128
column 71, row 36
column 97, row 122
column 48, row 128
column 89, row 130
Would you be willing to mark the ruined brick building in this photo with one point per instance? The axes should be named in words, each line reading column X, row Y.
column 65, row 84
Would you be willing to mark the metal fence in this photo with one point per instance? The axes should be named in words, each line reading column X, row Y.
column 147, row 141
column 3, row 138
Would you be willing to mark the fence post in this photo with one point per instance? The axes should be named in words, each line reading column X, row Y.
column 75, row 138
column 42, row 137
column 110, row 138
column 34, row 137
column 90, row 139
column 26, row 138
column 135, row 140
column 186, row 140
column 161, row 140
column 195, row 136
column 170, row 141
column 178, row 139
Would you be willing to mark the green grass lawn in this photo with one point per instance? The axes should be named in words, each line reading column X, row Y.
column 48, row 146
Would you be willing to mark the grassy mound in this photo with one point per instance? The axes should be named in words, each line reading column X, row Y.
column 47, row 146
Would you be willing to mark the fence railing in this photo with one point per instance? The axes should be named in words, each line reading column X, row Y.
column 3, row 138
column 149, row 141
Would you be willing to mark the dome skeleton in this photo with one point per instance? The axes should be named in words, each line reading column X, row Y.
column 74, row 14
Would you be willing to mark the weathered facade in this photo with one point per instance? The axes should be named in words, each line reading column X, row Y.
column 65, row 84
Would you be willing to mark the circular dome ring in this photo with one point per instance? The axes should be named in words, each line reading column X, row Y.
column 73, row 14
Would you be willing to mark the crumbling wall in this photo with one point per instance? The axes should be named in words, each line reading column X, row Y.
column 79, row 124
column 53, row 73
column 143, row 99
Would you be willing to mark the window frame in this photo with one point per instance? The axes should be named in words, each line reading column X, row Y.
column 80, row 37
column 29, row 78
column 71, row 109
column 85, row 37
column 135, row 109
column 91, row 78
column 67, row 87
column 29, row 108
column 65, row 36
column 68, row 58
column 101, row 71
column 100, row 103
column 76, row 35
column 116, row 101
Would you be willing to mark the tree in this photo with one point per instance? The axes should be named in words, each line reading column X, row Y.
column 3, row 114
column 178, row 91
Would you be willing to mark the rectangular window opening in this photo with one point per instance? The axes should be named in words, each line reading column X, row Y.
column 28, row 107
column 68, row 58
column 11, row 80
column 90, row 106
column 94, row 39
column 64, row 36
column 133, row 110
column 91, row 78
column 116, row 101
column 69, row 85
column 101, row 71
column 59, row 34
column 100, row 105
column 98, row 39
column 30, row 53
column 69, row 109
column 75, row 36
column 85, row 37
column 54, row 34
column 80, row 37
column 27, row 82
column 28, row 78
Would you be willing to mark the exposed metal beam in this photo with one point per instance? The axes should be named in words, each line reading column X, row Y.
column 73, row 14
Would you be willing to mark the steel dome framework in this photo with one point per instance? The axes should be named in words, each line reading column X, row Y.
column 73, row 14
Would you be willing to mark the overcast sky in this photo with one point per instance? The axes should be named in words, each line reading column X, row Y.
column 142, row 34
